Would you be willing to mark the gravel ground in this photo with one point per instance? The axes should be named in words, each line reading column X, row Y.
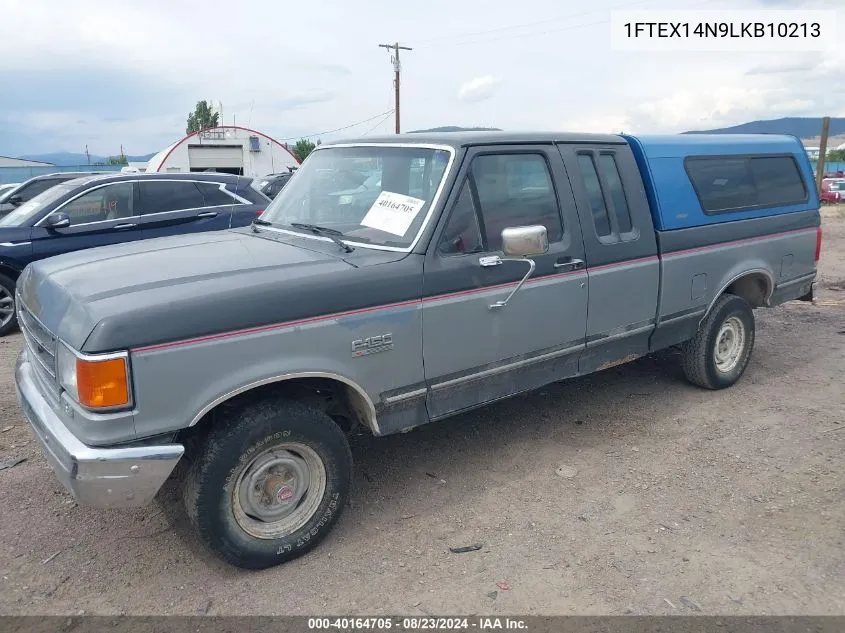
column 628, row 491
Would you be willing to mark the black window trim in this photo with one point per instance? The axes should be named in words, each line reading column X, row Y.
column 615, row 236
column 705, row 157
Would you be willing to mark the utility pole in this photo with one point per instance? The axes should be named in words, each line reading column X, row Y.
column 397, row 67
column 822, row 153
column 87, row 155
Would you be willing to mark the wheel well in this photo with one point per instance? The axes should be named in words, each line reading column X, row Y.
column 343, row 403
column 11, row 273
column 753, row 287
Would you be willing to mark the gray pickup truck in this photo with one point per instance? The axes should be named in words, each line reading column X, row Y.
column 466, row 268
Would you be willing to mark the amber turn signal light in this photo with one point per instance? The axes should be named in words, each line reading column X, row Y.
column 102, row 383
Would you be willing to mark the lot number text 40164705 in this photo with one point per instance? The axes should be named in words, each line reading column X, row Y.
column 424, row 623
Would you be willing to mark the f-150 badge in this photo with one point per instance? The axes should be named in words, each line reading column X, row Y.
column 372, row 345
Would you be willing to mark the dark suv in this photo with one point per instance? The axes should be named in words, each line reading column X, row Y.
column 27, row 190
column 100, row 210
column 271, row 184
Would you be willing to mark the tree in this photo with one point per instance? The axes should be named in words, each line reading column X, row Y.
column 202, row 117
column 117, row 160
column 304, row 147
column 836, row 155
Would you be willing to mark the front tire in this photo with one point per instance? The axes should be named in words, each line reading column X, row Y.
column 716, row 357
column 8, row 314
column 268, row 483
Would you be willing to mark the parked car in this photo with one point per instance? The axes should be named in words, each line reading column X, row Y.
column 833, row 190
column 516, row 260
column 5, row 188
column 116, row 208
column 271, row 184
column 27, row 190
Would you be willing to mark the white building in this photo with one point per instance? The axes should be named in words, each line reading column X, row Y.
column 5, row 161
column 229, row 149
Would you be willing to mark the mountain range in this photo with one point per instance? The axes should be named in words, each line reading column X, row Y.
column 802, row 127
column 70, row 159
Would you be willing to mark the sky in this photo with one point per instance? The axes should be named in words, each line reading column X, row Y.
column 123, row 72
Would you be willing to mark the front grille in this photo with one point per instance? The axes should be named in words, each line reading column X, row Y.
column 41, row 345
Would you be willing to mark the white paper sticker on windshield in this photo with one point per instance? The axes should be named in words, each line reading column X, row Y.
column 392, row 213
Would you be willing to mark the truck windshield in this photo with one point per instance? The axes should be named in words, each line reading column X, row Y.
column 31, row 207
column 372, row 195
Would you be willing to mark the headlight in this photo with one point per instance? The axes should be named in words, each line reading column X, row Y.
column 345, row 200
column 99, row 381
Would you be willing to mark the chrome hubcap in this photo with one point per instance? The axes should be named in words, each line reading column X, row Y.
column 730, row 342
column 279, row 490
column 7, row 306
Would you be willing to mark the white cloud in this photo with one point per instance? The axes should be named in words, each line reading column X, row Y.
column 134, row 71
column 479, row 89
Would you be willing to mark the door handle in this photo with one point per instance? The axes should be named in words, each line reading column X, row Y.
column 207, row 214
column 490, row 260
column 125, row 225
column 567, row 263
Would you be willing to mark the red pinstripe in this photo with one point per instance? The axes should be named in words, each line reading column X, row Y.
column 460, row 293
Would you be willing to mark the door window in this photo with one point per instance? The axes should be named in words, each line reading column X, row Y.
column 515, row 190
column 111, row 202
column 33, row 189
column 512, row 190
column 462, row 234
column 214, row 196
column 172, row 195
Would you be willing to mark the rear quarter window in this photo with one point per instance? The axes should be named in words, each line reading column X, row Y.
column 251, row 194
column 736, row 183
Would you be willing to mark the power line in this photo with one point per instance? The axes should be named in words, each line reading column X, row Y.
column 536, row 33
column 340, row 129
column 378, row 124
column 527, row 24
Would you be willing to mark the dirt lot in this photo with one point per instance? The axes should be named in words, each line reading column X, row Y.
column 681, row 501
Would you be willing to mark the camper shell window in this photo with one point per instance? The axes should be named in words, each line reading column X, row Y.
column 736, row 183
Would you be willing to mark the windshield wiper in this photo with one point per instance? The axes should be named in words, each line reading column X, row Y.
column 332, row 234
column 259, row 222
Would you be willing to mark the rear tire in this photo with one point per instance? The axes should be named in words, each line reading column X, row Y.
column 716, row 357
column 268, row 483
column 8, row 321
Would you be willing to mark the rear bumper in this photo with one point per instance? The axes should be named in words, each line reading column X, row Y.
column 99, row 477
column 801, row 289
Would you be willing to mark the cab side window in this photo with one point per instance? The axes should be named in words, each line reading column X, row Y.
column 501, row 191
column 606, row 195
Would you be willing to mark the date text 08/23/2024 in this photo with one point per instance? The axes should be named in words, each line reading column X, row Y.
column 417, row 623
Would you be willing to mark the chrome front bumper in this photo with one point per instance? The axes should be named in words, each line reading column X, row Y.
column 99, row 477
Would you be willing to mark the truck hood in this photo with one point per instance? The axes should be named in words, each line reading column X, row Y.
column 159, row 290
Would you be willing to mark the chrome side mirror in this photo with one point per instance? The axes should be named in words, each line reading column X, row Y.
column 525, row 241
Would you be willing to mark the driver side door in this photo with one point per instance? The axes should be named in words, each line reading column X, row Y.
column 475, row 353
column 103, row 215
